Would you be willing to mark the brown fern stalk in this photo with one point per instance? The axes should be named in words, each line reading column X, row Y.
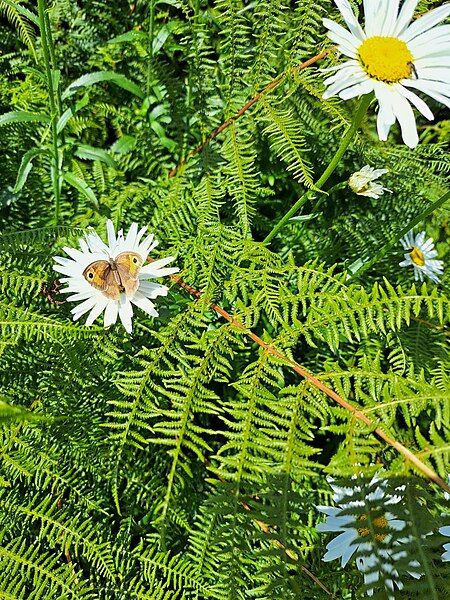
column 356, row 412
column 269, row 87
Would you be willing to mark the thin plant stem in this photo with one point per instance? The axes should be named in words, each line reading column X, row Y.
column 346, row 140
column 385, row 249
column 51, row 47
column 55, row 163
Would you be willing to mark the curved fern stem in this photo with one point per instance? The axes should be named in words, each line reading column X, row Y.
column 346, row 140
column 356, row 412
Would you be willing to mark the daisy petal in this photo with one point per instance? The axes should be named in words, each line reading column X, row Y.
column 155, row 268
column 426, row 22
column 347, row 553
column 430, row 43
column 126, row 313
column 111, row 233
column 97, row 310
column 390, row 19
column 370, row 23
column 386, row 116
column 139, row 235
column 405, row 16
column 147, row 244
column 96, row 245
column 360, row 89
column 349, row 17
column 416, row 101
column 71, row 270
column 405, row 116
column 130, row 240
column 337, row 546
column 152, row 290
column 339, row 543
column 111, row 313
column 348, row 44
column 144, row 304
column 79, row 310
column 428, row 89
column 78, row 296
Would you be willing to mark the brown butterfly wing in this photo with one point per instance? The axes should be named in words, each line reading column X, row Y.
column 128, row 266
column 101, row 276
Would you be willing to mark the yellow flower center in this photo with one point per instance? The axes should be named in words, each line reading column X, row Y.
column 417, row 256
column 386, row 58
column 379, row 523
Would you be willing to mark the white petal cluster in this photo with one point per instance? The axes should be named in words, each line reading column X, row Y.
column 364, row 182
column 428, row 44
column 374, row 563
column 94, row 301
column 421, row 255
column 446, row 531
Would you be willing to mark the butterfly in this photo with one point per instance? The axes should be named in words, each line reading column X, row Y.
column 116, row 275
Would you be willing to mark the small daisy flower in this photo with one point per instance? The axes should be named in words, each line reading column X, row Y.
column 375, row 560
column 421, row 256
column 111, row 277
column 364, row 182
column 390, row 56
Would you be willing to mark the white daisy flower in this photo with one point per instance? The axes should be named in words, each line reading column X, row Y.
column 390, row 56
column 421, row 256
column 111, row 277
column 375, row 560
column 364, row 182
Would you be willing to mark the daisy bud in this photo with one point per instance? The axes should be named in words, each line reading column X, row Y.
column 364, row 182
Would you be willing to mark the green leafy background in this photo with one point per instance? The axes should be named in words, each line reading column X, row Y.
column 185, row 461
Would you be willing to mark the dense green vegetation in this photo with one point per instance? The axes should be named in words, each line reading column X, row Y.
column 186, row 460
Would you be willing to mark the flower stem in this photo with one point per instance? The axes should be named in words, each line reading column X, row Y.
column 348, row 137
column 47, row 52
column 384, row 249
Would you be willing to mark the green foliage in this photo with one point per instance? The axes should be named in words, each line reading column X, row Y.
column 186, row 460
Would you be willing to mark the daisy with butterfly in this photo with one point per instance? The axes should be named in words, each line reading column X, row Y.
column 111, row 278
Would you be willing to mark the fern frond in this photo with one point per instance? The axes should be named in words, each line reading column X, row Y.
column 41, row 573
column 242, row 183
column 286, row 139
column 70, row 532
column 21, row 23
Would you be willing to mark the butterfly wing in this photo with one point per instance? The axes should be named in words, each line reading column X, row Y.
column 128, row 265
column 101, row 276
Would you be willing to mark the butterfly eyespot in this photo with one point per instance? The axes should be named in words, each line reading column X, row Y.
column 135, row 260
column 91, row 275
